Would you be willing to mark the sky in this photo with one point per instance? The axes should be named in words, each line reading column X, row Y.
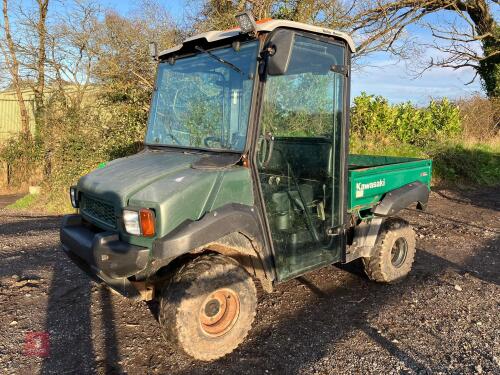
column 390, row 78
column 379, row 74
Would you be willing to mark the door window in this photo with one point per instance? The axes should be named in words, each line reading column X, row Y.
column 299, row 154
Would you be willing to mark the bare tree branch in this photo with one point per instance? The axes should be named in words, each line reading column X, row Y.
column 10, row 56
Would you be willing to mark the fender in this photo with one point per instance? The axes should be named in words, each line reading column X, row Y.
column 217, row 230
column 398, row 199
column 366, row 233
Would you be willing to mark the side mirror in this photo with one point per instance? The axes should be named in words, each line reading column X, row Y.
column 153, row 50
column 280, row 52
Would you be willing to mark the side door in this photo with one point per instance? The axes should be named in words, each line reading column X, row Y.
column 299, row 155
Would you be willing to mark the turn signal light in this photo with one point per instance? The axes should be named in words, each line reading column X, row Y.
column 147, row 220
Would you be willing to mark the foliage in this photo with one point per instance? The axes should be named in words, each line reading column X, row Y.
column 103, row 129
column 373, row 117
column 489, row 68
column 445, row 132
column 480, row 118
column 22, row 154
column 476, row 165
column 453, row 162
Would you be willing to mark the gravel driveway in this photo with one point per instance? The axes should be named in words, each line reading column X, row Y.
column 444, row 318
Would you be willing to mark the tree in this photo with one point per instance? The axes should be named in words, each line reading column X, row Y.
column 209, row 15
column 124, row 67
column 41, row 32
column 470, row 39
column 10, row 55
column 219, row 15
column 73, row 51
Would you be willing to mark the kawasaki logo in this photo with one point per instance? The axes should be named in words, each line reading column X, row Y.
column 360, row 188
column 370, row 185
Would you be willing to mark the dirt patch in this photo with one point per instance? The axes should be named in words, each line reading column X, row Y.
column 444, row 318
column 5, row 200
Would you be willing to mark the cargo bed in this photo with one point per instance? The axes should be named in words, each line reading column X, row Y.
column 370, row 177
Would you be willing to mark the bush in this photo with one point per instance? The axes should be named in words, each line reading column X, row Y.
column 446, row 132
column 372, row 117
column 105, row 128
column 480, row 118
column 22, row 154
column 477, row 165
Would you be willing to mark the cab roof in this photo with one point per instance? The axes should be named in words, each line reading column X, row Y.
column 263, row 26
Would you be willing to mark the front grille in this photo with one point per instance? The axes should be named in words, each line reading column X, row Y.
column 98, row 210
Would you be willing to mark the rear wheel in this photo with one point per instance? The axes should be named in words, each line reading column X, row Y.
column 394, row 252
column 208, row 307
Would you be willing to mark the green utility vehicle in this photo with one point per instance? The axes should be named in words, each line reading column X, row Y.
column 245, row 176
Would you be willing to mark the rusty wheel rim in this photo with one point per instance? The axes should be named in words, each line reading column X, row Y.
column 219, row 312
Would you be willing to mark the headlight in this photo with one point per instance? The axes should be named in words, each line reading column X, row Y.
column 131, row 221
column 73, row 194
column 140, row 222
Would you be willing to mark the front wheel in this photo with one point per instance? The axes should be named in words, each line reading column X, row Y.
column 208, row 307
column 394, row 252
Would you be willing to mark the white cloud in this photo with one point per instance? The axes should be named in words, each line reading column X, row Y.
column 392, row 80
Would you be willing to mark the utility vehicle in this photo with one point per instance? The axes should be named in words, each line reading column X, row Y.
column 245, row 176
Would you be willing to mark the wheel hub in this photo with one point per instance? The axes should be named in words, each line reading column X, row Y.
column 219, row 312
column 212, row 308
column 398, row 252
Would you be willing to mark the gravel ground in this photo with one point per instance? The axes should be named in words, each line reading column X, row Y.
column 444, row 318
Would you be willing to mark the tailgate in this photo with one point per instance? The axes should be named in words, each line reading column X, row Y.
column 370, row 177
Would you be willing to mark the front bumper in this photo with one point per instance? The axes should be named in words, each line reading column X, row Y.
column 102, row 255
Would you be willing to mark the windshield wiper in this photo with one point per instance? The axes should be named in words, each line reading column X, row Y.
column 219, row 59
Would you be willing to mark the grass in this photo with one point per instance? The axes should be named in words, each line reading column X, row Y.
column 24, row 203
column 46, row 202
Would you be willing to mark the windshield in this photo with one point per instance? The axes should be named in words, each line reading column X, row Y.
column 202, row 101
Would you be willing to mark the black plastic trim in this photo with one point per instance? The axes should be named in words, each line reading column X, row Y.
column 102, row 250
column 122, row 285
column 214, row 225
column 216, row 162
column 398, row 199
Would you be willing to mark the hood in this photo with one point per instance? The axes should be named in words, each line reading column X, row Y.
column 178, row 186
column 121, row 178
